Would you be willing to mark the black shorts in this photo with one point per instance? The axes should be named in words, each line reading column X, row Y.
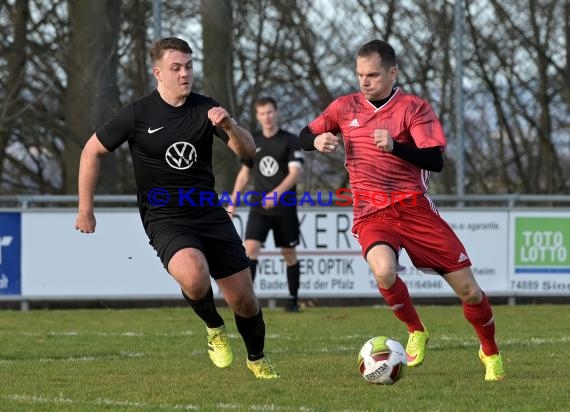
column 284, row 222
column 213, row 233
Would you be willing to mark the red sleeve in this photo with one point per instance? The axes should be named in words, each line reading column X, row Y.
column 424, row 126
column 327, row 121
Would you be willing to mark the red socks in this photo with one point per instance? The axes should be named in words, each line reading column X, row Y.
column 481, row 317
column 398, row 298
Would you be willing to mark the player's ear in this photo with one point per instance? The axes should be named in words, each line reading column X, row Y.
column 393, row 73
column 156, row 73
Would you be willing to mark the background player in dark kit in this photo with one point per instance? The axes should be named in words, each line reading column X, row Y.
column 276, row 168
column 170, row 136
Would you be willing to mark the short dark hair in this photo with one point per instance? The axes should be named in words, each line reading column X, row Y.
column 383, row 49
column 262, row 101
column 158, row 47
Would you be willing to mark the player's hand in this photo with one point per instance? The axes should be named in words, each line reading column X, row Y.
column 268, row 203
column 230, row 209
column 85, row 222
column 327, row 142
column 383, row 140
column 220, row 118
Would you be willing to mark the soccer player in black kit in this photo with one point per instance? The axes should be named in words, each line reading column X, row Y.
column 276, row 169
column 170, row 135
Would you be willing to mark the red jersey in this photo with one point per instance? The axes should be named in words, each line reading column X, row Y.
column 408, row 118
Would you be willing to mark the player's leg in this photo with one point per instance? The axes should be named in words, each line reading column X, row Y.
column 229, row 266
column 431, row 243
column 286, row 236
column 293, row 278
column 384, row 265
column 476, row 307
column 252, row 250
column 256, row 230
column 478, row 312
column 239, row 295
column 189, row 268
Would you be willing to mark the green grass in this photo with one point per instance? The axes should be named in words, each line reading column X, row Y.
column 155, row 360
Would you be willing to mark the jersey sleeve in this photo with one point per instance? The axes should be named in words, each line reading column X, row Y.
column 208, row 102
column 327, row 121
column 117, row 130
column 425, row 128
column 295, row 155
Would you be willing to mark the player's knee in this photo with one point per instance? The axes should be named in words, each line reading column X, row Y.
column 470, row 294
column 289, row 255
column 385, row 275
column 194, row 288
column 245, row 305
column 252, row 248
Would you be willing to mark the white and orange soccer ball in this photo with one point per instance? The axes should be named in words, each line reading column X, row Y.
column 382, row 360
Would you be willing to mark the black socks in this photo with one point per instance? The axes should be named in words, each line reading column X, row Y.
column 252, row 331
column 206, row 309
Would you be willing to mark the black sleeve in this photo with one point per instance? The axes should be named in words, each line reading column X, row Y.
column 221, row 133
column 117, row 130
column 307, row 139
column 429, row 158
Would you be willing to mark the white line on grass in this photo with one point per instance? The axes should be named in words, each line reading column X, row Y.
column 99, row 401
column 227, row 406
column 126, row 333
column 140, row 405
column 72, row 359
column 38, row 399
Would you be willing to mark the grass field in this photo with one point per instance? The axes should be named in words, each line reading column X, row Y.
column 155, row 360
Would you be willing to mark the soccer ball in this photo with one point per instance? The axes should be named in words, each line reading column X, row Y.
column 382, row 360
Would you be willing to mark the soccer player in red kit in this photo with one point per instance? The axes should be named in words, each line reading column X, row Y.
column 392, row 141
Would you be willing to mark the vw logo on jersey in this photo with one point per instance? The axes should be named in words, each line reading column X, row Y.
column 268, row 166
column 181, row 155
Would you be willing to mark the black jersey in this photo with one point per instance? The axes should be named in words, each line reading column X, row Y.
column 271, row 163
column 171, row 149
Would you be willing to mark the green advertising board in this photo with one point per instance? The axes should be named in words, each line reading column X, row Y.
column 542, row 245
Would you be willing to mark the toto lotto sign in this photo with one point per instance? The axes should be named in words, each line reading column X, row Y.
column 541, row 245
column 541, row 259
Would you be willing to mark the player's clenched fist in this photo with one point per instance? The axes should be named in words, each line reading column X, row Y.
column 327, row 142
column 220, row 117
column 85, row 222
column 382, row 140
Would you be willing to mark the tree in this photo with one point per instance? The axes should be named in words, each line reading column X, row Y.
column 217, row 23
column 75, row 55
column 16, row 61
column 92, row 95
column 517, row 141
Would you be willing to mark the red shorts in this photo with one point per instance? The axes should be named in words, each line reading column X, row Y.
column 418, row 228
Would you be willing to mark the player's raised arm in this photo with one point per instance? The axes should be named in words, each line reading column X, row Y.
column 89, row 166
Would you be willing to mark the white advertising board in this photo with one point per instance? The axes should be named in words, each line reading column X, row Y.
column 513, row 253
column 115, row 261
column 332, row 264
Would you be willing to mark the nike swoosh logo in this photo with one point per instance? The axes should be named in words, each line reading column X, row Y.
column 257, row 149
column 151, row 131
